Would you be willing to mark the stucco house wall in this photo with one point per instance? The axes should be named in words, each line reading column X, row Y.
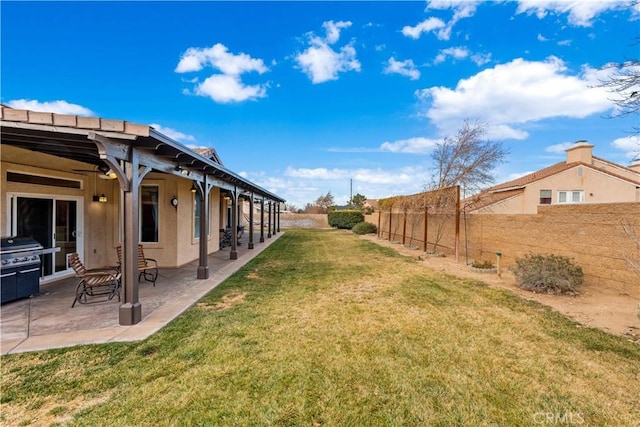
column 100, row 221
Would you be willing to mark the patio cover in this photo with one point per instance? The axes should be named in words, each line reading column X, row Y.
column 131, row 151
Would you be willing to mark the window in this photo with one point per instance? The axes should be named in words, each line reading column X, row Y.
column 149, row 213
column 545, row 197
column 574, row 196
column 197, row 208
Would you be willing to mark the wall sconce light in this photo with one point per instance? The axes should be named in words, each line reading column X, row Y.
column 174, row 202
column 101, row 198
column 111, row 174
column 193, row 187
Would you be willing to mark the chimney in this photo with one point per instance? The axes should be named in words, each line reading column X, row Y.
column 635, row 165
column 581, row 151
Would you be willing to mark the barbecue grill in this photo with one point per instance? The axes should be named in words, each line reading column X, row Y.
column 20, row 267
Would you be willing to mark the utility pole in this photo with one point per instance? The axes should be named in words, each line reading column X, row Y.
column 350, row 192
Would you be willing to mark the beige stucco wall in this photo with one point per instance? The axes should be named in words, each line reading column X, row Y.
column 101, row 235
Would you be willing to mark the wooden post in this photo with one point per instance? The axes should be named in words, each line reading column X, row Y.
column 390, row 210
column 251, row 201
column 426, row 219
column 404, row 229
column 262, row 220
column 203, row 194
column 233, row 254
column 269, row 221
column 379, row 218
column 130, row 311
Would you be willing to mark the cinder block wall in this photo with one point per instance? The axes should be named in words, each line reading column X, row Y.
column 590, row 234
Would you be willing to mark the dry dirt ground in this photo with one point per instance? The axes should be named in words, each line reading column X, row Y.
column 610, row 309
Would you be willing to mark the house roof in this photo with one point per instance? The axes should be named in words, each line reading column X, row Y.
column 557, row 168
column 509, row 189
column 486, row 198
column 70, row 136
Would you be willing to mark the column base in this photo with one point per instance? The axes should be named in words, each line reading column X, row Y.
column 250, row 245
column 130, row 314
column 233, row 255
column 203, row 272
column 261, row 239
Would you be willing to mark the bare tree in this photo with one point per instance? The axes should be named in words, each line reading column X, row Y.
column 324, row 202
column 623, row 82
column 467, row 160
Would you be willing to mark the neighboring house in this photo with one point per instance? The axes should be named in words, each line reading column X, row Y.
column 88, row 185
column 581, row 178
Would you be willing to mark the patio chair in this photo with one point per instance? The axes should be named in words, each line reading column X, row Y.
column 148, row 267
column 94, row 282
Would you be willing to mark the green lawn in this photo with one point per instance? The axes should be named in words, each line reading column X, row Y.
column 324, row 328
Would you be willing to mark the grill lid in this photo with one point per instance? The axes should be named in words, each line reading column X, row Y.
column 15, row 244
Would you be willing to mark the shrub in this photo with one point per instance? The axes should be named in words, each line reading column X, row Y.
column 364, row 228
column 482, row 264
column 345, row 219
column 552, row 274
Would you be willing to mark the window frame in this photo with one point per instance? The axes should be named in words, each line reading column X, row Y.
column 197, row 202
column 141, row 214
column 546, row 200
column 569, row 196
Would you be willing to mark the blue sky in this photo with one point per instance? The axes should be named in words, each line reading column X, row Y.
column 303, row 97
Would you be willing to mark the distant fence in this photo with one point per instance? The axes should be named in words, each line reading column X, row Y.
column 429, row 221
column 591, row 234
column 303, row 221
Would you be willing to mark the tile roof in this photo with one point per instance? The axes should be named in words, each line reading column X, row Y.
column 561, row 167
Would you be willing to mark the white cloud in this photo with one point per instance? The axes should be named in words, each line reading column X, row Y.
column 371, row 176
column 542, row 38
column 172, row 133
column 317, row 173
column 426, row 26
column 404, row 68
column 461, row 9
column 513, row 94
column 559, row 148
column 417, row 145
column 580, row 13
column 453, row 52
column 460, row 53
column 219, row 57
column 481, row 58
column 226, row 87
column 630, row 145
column 333, row 30
column 321, row 62
column 58, row 107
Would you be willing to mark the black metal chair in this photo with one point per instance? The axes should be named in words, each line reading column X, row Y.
column 94, row 282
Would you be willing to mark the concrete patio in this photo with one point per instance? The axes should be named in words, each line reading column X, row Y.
column 47, row 321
